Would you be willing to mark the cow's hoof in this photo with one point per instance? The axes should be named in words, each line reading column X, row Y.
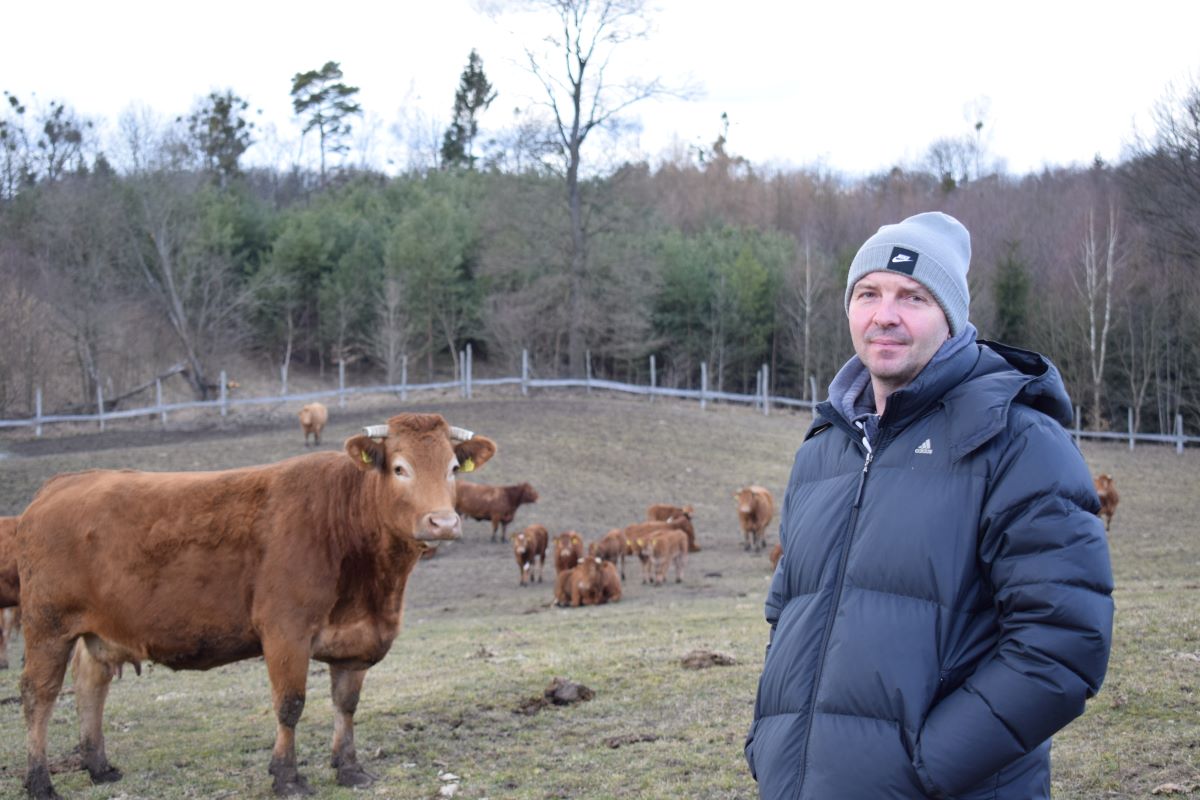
column 289, row 783
column 38, row 786
column 354, row 776
column 107, row 774
column 4, row 664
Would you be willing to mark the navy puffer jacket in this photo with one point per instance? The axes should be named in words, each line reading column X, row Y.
column 943, row 605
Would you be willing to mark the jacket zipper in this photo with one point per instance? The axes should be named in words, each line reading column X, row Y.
column 839, row 582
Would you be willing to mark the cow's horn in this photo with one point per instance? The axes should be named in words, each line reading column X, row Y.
column 461, row 434
column 376, row 431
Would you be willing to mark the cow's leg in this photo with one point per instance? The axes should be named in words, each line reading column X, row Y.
column 41, row 681
column 3, row 647
column 287, row 667
column 92, row 679
column 346, row 685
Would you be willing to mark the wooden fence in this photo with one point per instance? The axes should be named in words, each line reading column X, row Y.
column 465, row 383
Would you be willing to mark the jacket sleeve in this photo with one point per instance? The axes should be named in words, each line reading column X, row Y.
column 1045, row 554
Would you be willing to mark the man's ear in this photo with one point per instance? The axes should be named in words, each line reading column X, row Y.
column 474, row 453
column 365, row 452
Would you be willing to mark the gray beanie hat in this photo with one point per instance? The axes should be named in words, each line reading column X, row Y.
column 933, row 249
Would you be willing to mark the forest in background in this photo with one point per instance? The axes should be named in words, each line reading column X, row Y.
column 159, row 251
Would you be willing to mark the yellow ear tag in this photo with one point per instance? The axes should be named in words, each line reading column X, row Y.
column 468, row 465
column 366, row 457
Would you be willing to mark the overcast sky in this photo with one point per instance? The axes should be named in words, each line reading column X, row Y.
column 856, row 87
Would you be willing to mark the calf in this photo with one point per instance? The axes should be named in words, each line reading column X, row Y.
column 305, row 559
column 568, row 549
column 593, row 581
column 612, row 547
column 1109, row 498
column 665, row 512
column 659, row 551
column 755, row 507
column 9, row 586
column 495, row 503
column 529, row 548
column 312, row 421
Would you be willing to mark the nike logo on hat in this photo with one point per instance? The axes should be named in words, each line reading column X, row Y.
column 903, row 260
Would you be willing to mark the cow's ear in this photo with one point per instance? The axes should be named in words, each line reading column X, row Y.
column 366, row 453
column 474, row 452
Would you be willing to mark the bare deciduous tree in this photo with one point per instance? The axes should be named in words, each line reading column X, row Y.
column 1100, row 262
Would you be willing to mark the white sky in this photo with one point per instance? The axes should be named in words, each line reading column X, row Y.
column 855, row 86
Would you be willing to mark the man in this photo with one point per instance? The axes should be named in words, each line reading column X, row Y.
column 943, row 602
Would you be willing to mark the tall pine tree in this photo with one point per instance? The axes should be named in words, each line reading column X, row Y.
column 474, row 94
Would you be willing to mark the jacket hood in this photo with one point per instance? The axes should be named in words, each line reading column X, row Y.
column 978, row 384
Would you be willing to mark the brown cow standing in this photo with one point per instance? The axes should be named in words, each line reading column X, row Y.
column 664, row 512
column 9, row 585
column 612, row 547
column 568, row 549
column 312, row 420
column 755, row 507
column 1108, row 498
column 529, row 546
column 304, row 559
column 496, row 503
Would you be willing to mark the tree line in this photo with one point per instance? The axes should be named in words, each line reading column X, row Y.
column 183, row 258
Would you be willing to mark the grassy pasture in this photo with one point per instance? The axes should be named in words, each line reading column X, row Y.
column 475, row 646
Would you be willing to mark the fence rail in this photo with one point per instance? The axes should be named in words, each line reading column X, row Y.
column 465, row 383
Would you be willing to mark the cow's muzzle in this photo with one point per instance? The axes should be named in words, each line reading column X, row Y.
column 439, row 525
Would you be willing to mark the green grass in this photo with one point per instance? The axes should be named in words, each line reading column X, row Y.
column 475, row 646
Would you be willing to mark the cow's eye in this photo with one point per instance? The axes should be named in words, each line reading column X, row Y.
column 399, row 470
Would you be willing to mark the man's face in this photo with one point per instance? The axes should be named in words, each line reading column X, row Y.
column 896, row 326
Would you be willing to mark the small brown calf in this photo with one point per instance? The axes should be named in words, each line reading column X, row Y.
column 1108, row 498
column 529, row 548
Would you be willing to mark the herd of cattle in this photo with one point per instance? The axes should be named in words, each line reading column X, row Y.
column 306, row 558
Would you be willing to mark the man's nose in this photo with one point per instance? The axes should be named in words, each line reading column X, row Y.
column 886, row 313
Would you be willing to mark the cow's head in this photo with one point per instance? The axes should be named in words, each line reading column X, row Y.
column 410, row 465
column 745, row 500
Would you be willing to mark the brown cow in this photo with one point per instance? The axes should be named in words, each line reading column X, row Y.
column 529, row 546
column 304, row 559
column 568, row 549
column 1108, row 498
column 612, row 547
column 593, row 581
column 312, row 420
column 755, row 507
column 664, row 512
column 9, row 585
column 659, row 550
column 776, row 554
column 496, row 503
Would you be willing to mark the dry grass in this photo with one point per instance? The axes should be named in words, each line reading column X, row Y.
column 475, row 646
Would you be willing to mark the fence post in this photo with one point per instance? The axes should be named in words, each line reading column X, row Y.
column 587, row 357
column 37, row 414
column 653, row 378
column 100, row 403
column 766, row 392
column 341, row 383
column 224, row 396
column 812, row 382
column 162, row 414
column 524, row 372
column 1078, row 425
column 1129, row 417
column 703, row 384
column 1179, row 433
column 283, row 378
column 403, row 377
